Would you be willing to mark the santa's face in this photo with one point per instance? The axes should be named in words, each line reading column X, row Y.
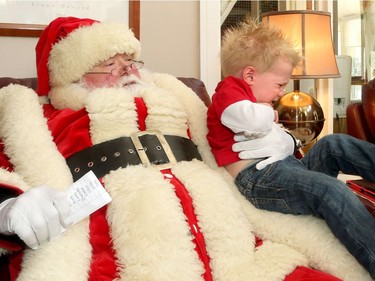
column 118, row 71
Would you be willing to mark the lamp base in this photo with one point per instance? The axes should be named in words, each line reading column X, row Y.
column 301, row 114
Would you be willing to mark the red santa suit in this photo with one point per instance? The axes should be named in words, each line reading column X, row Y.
column 188, row 222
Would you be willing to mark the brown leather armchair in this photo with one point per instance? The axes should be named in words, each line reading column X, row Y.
column 360, row 116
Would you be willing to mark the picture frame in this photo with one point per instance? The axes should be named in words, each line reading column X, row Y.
column 34, row 30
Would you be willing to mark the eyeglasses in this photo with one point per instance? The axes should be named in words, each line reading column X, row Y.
column 121, row 70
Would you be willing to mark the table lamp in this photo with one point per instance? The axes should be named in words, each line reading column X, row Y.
column 311, row 31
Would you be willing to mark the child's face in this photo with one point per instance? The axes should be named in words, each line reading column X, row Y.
column 270, row 85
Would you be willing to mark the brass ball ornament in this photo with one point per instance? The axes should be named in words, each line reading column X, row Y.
column 301, row 114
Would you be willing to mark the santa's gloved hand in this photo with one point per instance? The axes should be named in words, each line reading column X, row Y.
column 275, row 146
column 35, row 216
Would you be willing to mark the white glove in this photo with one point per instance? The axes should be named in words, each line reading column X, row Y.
column 275, row 146
column 35, row 216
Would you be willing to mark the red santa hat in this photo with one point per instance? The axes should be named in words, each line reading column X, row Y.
column 69, row 47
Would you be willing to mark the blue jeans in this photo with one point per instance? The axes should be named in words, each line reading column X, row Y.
column 309, row 187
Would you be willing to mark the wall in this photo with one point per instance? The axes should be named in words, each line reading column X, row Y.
column 17, row 56
column 169, row 36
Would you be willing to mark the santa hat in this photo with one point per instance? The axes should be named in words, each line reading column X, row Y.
column 69, row 47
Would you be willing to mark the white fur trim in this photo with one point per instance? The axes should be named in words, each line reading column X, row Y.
column 166, row 114
column 228, row 233
column 309, row 236
column 27, row 139
column 29, row 145
column 87, row 46
column 111, row 117
column 66, row 258
column 72, row 96
column 116, row 116
column 158, row 245
column 12, row 179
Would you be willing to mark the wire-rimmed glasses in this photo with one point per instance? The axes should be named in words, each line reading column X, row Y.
column 121, row 70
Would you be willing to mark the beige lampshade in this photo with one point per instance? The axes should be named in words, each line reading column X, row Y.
column 311, row 31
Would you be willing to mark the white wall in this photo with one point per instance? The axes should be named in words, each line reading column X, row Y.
column 17, row 56
column 210, row 37
column 169, row 37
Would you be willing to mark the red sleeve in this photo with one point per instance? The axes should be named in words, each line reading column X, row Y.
column 220, row 137
column 4, row 160
column 70, row 130
column 229, row 91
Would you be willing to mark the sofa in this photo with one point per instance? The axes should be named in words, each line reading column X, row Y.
column 360, row 116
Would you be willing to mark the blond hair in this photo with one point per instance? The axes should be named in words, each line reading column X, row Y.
column 258, row 45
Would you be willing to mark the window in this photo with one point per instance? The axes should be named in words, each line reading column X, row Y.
column 349, row 42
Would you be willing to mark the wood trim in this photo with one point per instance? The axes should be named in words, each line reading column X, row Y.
column 21, row 30
column 34, row 30
column 358, row 80
column 134, row 17
column 309, row 5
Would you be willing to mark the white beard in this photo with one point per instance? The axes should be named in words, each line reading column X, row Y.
column 76, row 95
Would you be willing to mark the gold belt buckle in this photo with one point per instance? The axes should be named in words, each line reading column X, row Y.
column 141, row 151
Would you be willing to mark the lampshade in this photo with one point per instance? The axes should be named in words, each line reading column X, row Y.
column 311, row 32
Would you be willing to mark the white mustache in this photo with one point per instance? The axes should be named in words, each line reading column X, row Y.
column 129, row 81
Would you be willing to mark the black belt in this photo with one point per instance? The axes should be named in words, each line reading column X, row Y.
column 147, row 148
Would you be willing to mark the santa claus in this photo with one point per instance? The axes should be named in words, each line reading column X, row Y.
column 174, row 214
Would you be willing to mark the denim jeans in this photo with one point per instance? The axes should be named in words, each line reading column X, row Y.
column 309, row 187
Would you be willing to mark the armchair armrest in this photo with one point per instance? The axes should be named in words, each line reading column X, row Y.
column 356, row 122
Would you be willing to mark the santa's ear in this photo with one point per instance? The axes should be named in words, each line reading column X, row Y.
column 248, row 74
